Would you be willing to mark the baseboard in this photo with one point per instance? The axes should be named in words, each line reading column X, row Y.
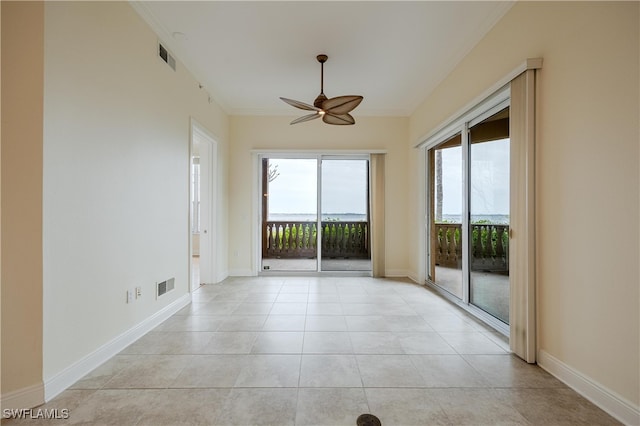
column 614, row 404
column 222, row 276
column 61, row 381
column 396, row 273
column 415, row 279
column 241, row 273
column 28, row 397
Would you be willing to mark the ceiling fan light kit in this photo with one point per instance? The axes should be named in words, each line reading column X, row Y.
column 332, row 110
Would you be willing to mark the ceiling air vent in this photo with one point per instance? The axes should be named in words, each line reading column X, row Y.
column 166, row 56
column 165, row 286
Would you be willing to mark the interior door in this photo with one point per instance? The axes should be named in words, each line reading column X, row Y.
column 206, row 270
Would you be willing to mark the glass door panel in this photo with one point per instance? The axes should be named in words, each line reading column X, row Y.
column 345, row 215
column 489, row 215
column 445, row 269
column 289, row 214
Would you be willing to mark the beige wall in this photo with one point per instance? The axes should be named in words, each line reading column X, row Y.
column 586, row 174
column 22, row 85
column 369, row 133
column 116, row 175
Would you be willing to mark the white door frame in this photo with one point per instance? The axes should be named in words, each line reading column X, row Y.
column 208, row 165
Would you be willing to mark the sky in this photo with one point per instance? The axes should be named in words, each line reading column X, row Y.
column 344, row 186
column 344, row 183
column 489, row 179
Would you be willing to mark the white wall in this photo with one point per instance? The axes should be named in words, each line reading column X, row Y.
column 116, row 175
column 586, row 175
column 274, row 132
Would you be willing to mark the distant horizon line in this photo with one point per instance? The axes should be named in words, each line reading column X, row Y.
column 315, row 213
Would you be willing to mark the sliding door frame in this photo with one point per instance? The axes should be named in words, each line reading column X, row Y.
column 483, row 110
column 522, row 234
column 257, row 216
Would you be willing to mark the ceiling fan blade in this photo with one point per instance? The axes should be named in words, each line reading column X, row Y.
column 341, row 104
column 339, row 119
column 300, row 105
column 306, row 118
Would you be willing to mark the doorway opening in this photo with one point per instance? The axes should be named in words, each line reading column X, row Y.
column 315, row 214
column 202, row 207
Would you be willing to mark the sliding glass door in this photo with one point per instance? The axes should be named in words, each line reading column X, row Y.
column 489, row 147
column 315, row 214
column 469, row 213
column 446, row 226
column 345, row 215
column 289, row 214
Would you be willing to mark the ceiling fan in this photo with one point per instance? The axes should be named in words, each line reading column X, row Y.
column 332, row 110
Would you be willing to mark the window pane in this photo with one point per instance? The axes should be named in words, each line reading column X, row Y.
column 345, row 226
column 489, row 208
column 289, row 231
column 446, row 225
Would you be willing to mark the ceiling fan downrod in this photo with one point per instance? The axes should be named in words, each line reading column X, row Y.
column 321, row 97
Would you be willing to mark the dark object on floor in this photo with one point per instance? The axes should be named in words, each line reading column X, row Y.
column 368, row 420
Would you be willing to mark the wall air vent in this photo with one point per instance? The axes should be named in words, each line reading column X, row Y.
column 166, row 56
column 165, row 286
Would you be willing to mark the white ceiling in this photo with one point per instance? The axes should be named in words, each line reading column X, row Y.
column 248, row 54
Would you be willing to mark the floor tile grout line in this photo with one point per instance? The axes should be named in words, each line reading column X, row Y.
column 457, row 353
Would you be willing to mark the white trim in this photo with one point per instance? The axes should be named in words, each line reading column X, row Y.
column 221, row 276
column 423, row 222
column 256, row 217
column 396, row 273
column 242, row 272
column 416, row 279
column 503, row 101
column 28, row 397
column 456, row 124
column 617, row 406
column 204, row 136
column 67, row 377
column 528, row 64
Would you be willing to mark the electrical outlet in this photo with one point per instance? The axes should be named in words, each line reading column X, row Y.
column 129, row 296
column 138, row 292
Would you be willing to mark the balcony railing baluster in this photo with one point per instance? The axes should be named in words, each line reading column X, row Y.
column 489, row 242
column 286, row 239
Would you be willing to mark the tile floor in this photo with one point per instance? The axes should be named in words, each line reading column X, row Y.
column 320, row 351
